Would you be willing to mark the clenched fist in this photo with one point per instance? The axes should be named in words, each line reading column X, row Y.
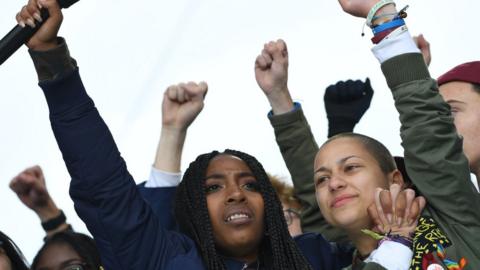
column 182, row 103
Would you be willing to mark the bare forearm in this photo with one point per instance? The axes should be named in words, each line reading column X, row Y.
column 169, row 151
column 281, row 102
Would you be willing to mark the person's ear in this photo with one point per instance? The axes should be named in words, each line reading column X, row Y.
column 396, row 177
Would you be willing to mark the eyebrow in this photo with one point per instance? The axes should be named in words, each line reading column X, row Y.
column 340, row 161
column 455, row 101
column 222, row 175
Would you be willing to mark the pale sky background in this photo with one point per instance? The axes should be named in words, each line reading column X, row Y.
column 130, row 51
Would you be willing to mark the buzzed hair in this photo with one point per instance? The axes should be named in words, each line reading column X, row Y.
column 476, row 87
column 378, row 151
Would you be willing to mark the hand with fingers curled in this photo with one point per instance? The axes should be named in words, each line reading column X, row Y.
column 182, row 103
column 396, row 211
column 46, row 37
column 345, row 103
column 271, row 67
column 271, row 73
column 30, row 187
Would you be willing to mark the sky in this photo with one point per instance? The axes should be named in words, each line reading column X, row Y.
column 129, row 52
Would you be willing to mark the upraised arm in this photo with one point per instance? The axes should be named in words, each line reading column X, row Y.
column 293, row 134
column 434, row 156
column 182, row 103
column 104, row 193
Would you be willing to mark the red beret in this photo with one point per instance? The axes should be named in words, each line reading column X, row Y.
column 468, row 72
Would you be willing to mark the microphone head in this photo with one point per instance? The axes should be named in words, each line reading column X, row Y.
column 66, row 3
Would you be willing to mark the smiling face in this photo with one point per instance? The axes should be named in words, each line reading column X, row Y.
column 235, row 207
column 465, row 107
column 346, row 176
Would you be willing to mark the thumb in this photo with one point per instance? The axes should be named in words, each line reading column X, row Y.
column 203, row 88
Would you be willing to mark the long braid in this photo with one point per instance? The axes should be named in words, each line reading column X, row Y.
column 278, row 250
column 192, row 214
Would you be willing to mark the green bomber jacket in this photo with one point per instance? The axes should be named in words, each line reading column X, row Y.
column 434, row 161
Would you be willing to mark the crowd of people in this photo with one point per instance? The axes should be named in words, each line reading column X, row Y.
column 352, row 204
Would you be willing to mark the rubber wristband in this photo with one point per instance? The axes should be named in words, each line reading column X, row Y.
column 398, row 31
column 391, row 24
column 53, row 223
column 375, row 8
column 380, row 36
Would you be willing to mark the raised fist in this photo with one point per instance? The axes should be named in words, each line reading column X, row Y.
column 182, row 103
column 345, row 103
column 30, row 188
column 271, row 68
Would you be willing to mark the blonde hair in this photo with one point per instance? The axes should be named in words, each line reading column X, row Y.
column 285, row 192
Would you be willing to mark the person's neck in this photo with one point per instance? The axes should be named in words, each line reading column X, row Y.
column 246, row 258
column 363, row 243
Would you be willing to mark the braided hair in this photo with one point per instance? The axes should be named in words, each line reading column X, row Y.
column 83, row 245
column 277, row 250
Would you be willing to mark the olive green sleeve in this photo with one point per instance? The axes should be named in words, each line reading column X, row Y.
column 433, row 150
column 434, row 155
column 298, row 148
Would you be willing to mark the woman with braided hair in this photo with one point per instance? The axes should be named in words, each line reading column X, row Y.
column 234, row 191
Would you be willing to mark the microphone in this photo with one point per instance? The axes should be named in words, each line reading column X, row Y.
column 12, row 41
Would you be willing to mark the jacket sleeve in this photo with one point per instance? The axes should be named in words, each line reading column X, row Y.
column 434, row 156
column 161, row 200
column 298, row 148
column 104, row 193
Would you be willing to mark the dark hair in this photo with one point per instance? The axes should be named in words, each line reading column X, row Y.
column 13, row 253
column 83, row 244
column 277, row 251
column 476, row 87
column 378, row 151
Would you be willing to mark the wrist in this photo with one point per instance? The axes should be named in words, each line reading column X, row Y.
column 169, row 150
column 172, row 132
column 55, row 222
column 44, row 46
column 47, row 212
column 281, row 101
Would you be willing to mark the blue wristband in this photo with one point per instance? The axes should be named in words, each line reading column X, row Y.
column 391, row 24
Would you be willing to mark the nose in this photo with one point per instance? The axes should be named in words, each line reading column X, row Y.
column 235, row 194
column 336, row 183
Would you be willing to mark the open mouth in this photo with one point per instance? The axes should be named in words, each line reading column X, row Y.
column 238, row 218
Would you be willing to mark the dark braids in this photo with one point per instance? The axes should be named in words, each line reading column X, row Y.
column 277, row 251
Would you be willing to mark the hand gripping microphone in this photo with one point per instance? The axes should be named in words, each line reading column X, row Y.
column 19, row 35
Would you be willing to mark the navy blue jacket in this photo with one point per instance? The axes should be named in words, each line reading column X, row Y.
column 107, row 200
